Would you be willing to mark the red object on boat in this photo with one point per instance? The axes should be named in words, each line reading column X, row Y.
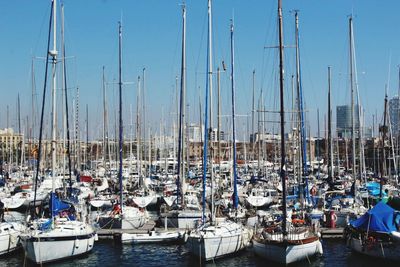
column 332, row 219
column 86, row 179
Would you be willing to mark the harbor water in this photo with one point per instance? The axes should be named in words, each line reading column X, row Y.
column 111, row 253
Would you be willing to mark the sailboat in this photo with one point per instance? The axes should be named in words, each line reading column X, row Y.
column 278, row 243
column 122, row 216
column 218, row 239
column 9, row 236
column 60, row 235
column 186, row 210
column 375, row 233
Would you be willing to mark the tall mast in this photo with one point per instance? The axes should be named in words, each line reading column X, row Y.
column 303, row 138
column 138, row 147
column 210, row 71
column 19, row 129
column 235, row 193
column 33, row 120
column 282, row 115
column 53, row 53
column 219, row 118
column 87, row 135
column 353, row 135
column 105, row 137
column 39, row 153
column 144, row 113
column 120, row 111
column 64, row 67
column 208, row 85
column 252, row 116
column 383, row 130
column 181, row 170
column 318, row 147
column 330, row 154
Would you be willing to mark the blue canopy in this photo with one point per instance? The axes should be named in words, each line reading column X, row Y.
column 380, row 218
column 57, row 205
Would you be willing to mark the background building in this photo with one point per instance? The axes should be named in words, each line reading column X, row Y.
column 343, row 120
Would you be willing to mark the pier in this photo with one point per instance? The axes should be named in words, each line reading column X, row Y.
column 329, row 233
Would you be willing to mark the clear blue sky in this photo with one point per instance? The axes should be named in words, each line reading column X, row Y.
column 152, row 36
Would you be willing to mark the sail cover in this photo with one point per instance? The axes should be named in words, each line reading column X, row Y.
column 380, row 218
column 57, row 205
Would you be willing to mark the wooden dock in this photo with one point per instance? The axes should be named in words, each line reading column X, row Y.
column 331, row 233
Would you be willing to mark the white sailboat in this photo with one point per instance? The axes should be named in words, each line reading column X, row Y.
column 122, row 216
column 218, row 239
column 9, row 236
column 375, row 233
column 186, row 211
column 277, row 243
column 55, row 238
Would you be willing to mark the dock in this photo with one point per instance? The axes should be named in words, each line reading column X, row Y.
column 112, row 233
column 328, row 233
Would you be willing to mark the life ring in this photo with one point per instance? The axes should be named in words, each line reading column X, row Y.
column 334, row 217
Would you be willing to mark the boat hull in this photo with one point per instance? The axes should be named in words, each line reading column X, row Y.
column 210, row 246
column 286, row 253
column 9, row 242
column 42, row 250
column 378, row 249
column 152, row 237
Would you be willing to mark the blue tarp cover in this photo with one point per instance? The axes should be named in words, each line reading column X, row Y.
column 57, row 205
column 379, row 219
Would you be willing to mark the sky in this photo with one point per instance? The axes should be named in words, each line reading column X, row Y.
column 152, row 40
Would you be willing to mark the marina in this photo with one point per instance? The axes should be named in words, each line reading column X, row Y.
column 204, row 186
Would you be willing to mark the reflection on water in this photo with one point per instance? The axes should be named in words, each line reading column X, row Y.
column 109, row 253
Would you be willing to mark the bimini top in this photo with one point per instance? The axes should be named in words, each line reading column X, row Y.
column 380, row 218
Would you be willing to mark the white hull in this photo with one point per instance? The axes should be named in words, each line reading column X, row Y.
column 211, row 244
column 152, row 237
column 69, row 240
column 377, row 249
column 9, row 237
column 286, row 253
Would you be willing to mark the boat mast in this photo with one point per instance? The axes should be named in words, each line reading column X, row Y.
column 210, row 72
column 282, row 117
column 235, row 193
column 138, row 136
column 64, row 67
column 120, row 111
column 303, row 137
column 181, row 170
column 53, row 53
column 208, row 85
column 219, row 118
column 105, row 137
column 252, row 117
column 39, row 153
column 383, row 130
column 330, row 154
column 353, row 135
